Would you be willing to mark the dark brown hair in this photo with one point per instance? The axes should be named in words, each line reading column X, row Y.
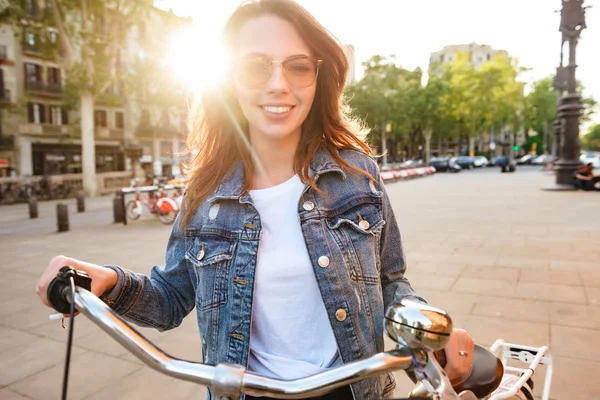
column 219, row 130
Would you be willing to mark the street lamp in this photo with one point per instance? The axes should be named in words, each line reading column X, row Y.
column 570, row 109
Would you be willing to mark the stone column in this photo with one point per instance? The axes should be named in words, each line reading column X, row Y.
column 25, row 156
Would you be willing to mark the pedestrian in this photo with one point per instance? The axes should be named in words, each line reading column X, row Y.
column 584, row 179
column 287, row 245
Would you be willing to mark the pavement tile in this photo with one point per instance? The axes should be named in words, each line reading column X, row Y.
column 10, row 337
column 590, row 278
column 442, row 269
column 479, row 260
column 89, row 372
column 506, row 260
column 147, row 384
column 593, row 296
column 486, row 330
column 573, row 379
column 574, row 342
column 513, row 309
column 484, row 286
column 430, row 281
column 453, row 303
column 545, row 291
column 7, row 394
column 503, row 274
column 574, row 265
column 30, row 358
column 569, row 278
column 575, row 315
column 30, row 317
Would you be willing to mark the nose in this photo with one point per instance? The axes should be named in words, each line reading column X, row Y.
column 277, row 82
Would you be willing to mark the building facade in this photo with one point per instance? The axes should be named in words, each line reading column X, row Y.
column 478, row 54
column 40, row 132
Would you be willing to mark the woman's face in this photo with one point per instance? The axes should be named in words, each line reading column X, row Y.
column 276, row 103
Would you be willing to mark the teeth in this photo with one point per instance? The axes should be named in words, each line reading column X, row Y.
column 276, row 110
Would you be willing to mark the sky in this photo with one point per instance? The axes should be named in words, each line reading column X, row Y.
column 527, row 29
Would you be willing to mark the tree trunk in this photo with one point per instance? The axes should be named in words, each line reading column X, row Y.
column 471, row 146
column 88, row 150
column 427, row 134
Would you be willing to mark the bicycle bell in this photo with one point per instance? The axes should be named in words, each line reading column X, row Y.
column 417, row 325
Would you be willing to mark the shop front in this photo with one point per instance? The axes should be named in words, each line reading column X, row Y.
column 57, row 159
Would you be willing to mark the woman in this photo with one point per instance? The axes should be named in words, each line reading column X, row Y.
column 287, row 245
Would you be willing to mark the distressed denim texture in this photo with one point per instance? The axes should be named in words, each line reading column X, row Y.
column 210, row 266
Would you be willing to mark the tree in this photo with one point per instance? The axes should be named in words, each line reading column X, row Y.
column 89, row 38
column 591, row 140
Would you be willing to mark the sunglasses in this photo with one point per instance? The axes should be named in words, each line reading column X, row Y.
column 300, row 71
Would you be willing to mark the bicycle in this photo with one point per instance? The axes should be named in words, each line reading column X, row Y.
column 159, row 204
column 418, row 330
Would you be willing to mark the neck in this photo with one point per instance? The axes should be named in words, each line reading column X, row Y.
column 274, row 162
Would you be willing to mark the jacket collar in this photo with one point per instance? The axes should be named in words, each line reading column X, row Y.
column 232, row 186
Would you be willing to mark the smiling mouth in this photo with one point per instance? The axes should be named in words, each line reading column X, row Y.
column 277, row 109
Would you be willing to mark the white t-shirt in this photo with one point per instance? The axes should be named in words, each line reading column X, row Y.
column 291, row 336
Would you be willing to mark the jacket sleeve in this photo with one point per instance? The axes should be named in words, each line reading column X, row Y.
column 162, row 300
column 394, row 284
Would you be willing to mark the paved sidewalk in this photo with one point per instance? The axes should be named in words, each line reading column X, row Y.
column 506, row 259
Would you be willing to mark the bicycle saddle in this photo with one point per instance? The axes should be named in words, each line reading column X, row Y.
column 485, row 374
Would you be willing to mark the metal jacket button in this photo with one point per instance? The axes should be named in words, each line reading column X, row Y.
column 340, row 314
column 323, row 261
column 200, row 254
column 308, row 205
column 364, row 224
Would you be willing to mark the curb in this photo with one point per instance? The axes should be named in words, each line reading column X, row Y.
column 405, row 174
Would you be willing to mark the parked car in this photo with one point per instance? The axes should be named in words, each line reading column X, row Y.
column 465, row 162
column 526, row 159
column 480, row 162
column 443, row 164
column 590, row 157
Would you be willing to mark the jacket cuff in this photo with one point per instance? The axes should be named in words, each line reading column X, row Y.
column 114, row 295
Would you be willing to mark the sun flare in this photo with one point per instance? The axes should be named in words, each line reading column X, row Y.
column 196, row 57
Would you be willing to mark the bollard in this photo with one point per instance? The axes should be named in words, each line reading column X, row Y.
column 33, row 207
column 62, row 217
column 118, row 209
column 80, row 202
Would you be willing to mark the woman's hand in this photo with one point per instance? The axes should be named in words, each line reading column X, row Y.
column 459, row 355
column 103, row 279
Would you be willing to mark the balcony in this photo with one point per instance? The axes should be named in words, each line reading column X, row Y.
column 42, row 88
column 102, row 132
column 46, row 130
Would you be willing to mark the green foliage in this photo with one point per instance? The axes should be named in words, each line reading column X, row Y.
column 591, row 140
column 538, row 139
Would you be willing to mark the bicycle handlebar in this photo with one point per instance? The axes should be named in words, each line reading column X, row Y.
column 228, row 381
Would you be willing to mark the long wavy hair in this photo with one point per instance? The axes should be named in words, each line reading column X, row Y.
column 219, row 138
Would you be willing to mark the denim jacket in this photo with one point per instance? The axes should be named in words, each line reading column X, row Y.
column 353, row 242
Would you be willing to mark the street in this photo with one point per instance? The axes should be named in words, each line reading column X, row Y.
column 504, row 258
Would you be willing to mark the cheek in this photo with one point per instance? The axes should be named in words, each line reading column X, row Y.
column 245, row 99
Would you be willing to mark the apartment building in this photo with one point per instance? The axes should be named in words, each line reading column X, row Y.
column 40, row 131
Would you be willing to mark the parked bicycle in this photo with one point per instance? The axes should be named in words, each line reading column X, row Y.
column 418, row 329
column 158, row 203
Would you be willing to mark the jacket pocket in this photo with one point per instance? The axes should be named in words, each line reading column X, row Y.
column 211, row 257
column 357, row 231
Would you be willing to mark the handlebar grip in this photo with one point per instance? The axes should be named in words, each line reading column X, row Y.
column 59, row 290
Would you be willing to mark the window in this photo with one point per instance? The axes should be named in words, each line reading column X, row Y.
column 56, row 115
column 36, row 113
column 442, row 58
column 100, row 118
column 33, row 72
column 54, row 77
column 119, row 120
